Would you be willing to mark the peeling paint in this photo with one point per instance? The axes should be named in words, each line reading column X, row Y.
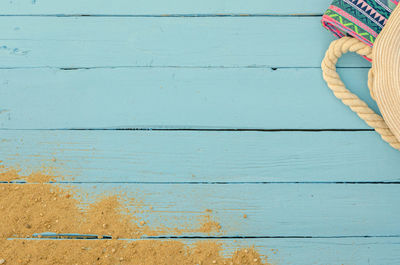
column 15, row 51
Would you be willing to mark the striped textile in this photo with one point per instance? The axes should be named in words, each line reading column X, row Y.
column 362, row 19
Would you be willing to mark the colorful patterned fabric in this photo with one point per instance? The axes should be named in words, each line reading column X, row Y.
column 362, row 19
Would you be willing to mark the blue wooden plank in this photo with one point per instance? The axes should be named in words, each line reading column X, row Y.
column 143, row 156
column 326, row 251
column 165, row 96
column 165, row 42
column 314, row 251
column 152, row 7
column 228, row 98
column 273, row 210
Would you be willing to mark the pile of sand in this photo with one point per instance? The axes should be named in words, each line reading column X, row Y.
column 37, row 206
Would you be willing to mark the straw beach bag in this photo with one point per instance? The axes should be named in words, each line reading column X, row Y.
column 370, row 28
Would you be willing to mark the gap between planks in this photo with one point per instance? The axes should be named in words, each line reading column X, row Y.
column 164, row 15
column 218, row 237
column 61, row 68
column 195, row 129
column 211, row 182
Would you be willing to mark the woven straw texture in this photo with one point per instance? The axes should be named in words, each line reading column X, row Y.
column 386, row 69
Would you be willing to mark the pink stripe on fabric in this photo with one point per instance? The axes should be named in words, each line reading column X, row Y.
column 328, row 19
column 334, row 25
column 353, row 19
column 332, row 28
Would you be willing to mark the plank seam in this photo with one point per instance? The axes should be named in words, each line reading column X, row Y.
column 174, row 67
column 165, row 15
column 228, row 237
column 139, row 128
column 213, row 182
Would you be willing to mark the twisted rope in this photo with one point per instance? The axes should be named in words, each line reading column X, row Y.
column 332, row 78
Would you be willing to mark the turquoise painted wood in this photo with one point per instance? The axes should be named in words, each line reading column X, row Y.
column 274, row 210
column 181, row 65
column 318, row 251
column 199, row 98
column 157, row 7
column 323, row 251
column 165, row 42
column 159, row 156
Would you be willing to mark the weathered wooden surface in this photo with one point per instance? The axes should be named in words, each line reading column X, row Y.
column 332, row 251
column 70, row 42
column 182, row 65
column 176, row 98
column 175, row 156
column 273, row 210
column 159, row 7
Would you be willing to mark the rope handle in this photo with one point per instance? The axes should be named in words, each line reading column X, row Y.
column 332, row 78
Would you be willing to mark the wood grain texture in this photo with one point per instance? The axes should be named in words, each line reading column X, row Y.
column 383, row 251
column 325, row 251
column 141, row 65
column 165, row 42
column 156, row 7
column 176, row 98
column 273, row 210
column 147, row 156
